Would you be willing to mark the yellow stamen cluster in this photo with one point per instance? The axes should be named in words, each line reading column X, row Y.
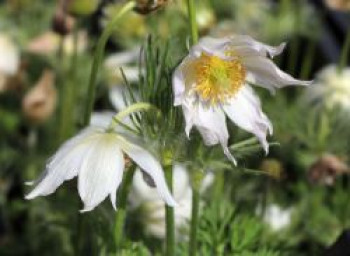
column 218, row 79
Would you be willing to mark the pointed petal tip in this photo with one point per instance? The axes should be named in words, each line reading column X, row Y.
column 29, row 197
column 172, row 203
column 113, row 198
column 230, row 156
column 278, row 50
column 87, row 209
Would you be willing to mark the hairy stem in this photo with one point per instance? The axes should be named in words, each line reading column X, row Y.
column 193, row 22
column 121, row 211
column 344, row 53
column 170, row 220
column 194, row 222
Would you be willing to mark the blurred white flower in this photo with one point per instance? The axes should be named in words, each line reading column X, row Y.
column 277, row 217
column 96, row 156
column 331, row 89
column 126, row 60
column 9, row 59
column 146, row 199
column 213, row 81
column 250, row 18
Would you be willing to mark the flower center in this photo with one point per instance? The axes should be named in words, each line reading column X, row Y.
column 217, row 79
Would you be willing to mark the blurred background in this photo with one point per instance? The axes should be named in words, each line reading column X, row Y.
column 294, row 201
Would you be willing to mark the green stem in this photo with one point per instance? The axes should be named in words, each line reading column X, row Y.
column 194, row 223
column 344, row 53
column 60, row 85
column 193, row 23
column 196, row 184
column 196, row 180
column 68, row 94
column 170, row 220
column 295, row 44
column 121, row 211
column 307, row 63
column 101, row 44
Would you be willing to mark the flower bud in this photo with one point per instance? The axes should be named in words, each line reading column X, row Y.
column 148, row 6
column 82, row 7
column 273, row 167
column 62, row 23
column 326, row 169
column 338, row 5
column 40, row 102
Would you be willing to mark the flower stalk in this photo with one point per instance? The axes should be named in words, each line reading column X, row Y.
column 344, row 53
column 196, row 184
column 193, row 22
column 101, row 44
column 169, row 216
column 69, row 93
column 121, row 212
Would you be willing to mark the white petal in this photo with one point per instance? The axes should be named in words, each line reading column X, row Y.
column 179, row 86
column 101, row 172
column 119, row 59
column 101, row 119
column 181, row 181
column 210, row 122
column 245, row 110
column 141, row 192
column 64, row 165
column 183, row 78
column 120, row 99
column 243, row 45
column 117, row 96
column 150, row 165
column 211, row 46
column 268, row 75
column 246, row 46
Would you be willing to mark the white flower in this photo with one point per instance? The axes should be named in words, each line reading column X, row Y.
column 145, row 198
column 96, row 157
column 9, row 56
column 9, row 59
column 126, row 60
column 213, row 81
column 331, row 89
column 277, row 217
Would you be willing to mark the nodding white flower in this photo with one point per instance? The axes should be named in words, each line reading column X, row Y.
column 213, row 81
column 96, row 156
column 147, row 200
column 331, row 89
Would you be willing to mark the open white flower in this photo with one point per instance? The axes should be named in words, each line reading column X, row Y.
column 331, row 89
column 213, row 81
column 97, row 158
